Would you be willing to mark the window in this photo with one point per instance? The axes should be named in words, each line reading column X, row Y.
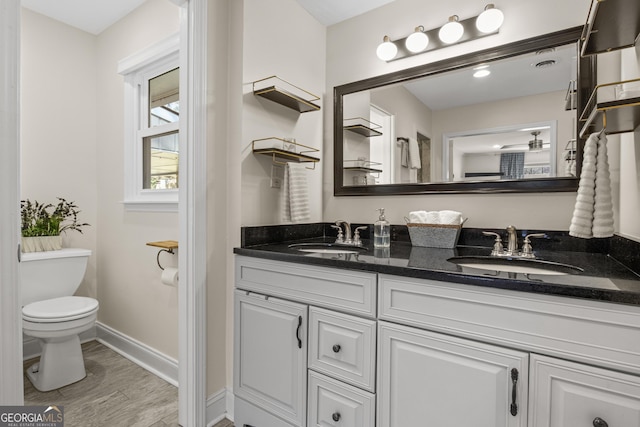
column 152, row 124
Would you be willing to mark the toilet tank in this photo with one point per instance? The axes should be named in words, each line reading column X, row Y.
column 52, row 274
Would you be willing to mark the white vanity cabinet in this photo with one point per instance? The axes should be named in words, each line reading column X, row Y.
column 565, row 393
column 327, row 347
column 448, row 381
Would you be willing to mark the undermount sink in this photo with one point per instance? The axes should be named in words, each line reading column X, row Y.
column 515, row 265
column 328, row 248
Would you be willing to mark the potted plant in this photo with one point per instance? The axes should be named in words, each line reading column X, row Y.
column 43, row 223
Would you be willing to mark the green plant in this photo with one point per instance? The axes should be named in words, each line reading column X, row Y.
column 39, row 219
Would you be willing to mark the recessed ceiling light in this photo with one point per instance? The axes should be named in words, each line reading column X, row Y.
column 481, row 73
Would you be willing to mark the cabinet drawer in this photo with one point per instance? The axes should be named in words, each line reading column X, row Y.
column 332, row 403
column 343, row 347
column 571, row 394
column 343, row 290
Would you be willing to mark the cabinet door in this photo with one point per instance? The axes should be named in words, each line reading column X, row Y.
column 571, row 394
column 433, row 379
column 270, row 353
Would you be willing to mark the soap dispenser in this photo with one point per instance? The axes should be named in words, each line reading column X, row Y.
column 381, row 232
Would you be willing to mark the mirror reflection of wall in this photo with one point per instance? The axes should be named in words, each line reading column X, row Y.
column 530, row 88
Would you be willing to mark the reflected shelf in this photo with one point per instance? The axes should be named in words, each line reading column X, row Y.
column 362, row 127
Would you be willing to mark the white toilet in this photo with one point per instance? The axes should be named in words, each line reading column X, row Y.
column 54, row 316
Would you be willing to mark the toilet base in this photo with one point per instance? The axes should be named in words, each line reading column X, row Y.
column 61, row 363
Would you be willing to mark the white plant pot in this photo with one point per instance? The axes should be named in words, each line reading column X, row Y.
column 41, row 243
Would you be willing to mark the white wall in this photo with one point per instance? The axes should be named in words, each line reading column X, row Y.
column 351, row 56
column 629, row 225
column 58, row 125
column 132, row 299
column 280, row 38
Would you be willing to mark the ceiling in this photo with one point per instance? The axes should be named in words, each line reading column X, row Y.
column 94, row 16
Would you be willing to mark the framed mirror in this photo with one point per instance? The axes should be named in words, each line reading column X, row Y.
column 436, row 128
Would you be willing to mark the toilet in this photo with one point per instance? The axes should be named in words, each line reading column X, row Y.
column 51, row 314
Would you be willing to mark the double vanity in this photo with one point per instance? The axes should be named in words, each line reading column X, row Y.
column 414, row 337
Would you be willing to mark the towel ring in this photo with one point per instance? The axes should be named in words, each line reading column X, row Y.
column 169, row 251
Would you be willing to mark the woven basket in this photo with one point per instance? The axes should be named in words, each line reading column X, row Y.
column 434, row 235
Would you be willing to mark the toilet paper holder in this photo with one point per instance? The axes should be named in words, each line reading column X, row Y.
column 167, row 246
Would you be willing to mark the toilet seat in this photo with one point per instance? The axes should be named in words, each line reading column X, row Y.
column 62, row 309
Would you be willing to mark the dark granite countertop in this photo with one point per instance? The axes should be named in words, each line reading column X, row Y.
column 603, row 277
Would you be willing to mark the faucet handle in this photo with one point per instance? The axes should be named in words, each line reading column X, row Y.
column 356, row 235
column 498, row 249
column 340, row 237
column 527, row 250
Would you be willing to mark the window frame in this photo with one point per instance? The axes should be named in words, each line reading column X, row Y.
column 137, row 70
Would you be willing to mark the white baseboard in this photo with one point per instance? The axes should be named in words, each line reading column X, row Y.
column 141, row 354
column 218, row 407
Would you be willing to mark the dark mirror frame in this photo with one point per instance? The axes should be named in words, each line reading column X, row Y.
column 586, row 82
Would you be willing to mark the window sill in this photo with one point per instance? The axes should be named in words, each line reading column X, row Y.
column 150, row 206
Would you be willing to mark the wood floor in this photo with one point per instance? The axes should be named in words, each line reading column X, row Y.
column 115, row 392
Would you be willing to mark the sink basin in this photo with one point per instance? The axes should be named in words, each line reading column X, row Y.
column 328, row 248
column 515, row 265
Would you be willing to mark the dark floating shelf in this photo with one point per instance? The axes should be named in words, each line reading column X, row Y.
column 363, row 130
column 619, row 116
column 611, row 25
column 282, row 92
column 362, row 126
column 286, row 156
column 362, row 169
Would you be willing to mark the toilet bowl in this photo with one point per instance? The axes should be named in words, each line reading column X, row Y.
column 53, row 316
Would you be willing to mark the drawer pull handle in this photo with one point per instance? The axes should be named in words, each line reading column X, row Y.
column 336, row 416
column 514, row 383
column 298, row 332
column 336, row 348
column 599, row 422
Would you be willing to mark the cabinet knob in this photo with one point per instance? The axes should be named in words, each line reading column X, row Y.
column 336, row 416
column 336, row 348
column 599, row 422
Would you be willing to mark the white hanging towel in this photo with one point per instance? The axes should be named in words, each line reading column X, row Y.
column 295, row 194
column 414, row 154
column 603, row 206
column 594, row 193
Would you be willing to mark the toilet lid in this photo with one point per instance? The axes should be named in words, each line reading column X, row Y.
column 59, row 308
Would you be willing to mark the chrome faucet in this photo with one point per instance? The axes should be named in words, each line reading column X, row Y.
column 512, row 244
column 347, row 231
column 512, row 241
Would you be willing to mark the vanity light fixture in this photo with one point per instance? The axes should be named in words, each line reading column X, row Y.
column 387, row 50
column 417, row 41
column 454, row 31
column 490, row 19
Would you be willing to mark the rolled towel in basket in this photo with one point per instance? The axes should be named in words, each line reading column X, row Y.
column 450, row 217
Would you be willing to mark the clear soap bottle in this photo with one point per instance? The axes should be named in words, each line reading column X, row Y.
column 381, row 232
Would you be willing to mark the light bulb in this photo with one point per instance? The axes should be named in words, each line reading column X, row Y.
column 452, row 31
column 386, row 50
column 417, row 41
column 489, row 20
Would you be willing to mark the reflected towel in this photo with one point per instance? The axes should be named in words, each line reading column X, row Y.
column 414, row 154
column 295, row 194
column 594, row 193
column 404, row 152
